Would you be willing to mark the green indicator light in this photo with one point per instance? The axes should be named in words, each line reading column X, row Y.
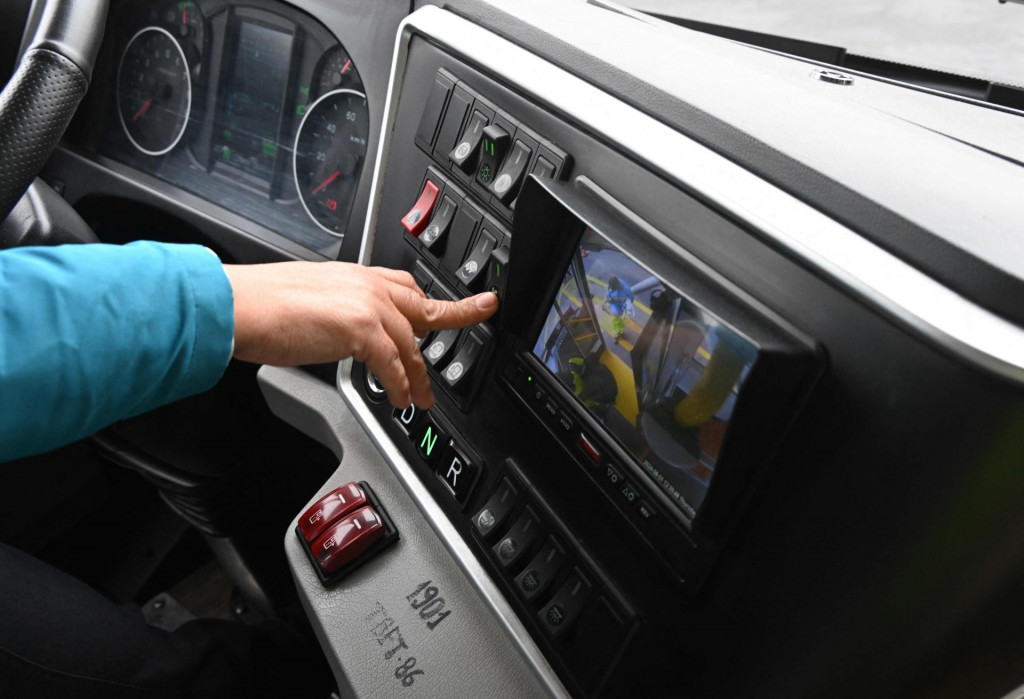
column 498, row 270
column 529, row 378
column 300, row 109
column 226, row 153
column 227, row 133
column 304, row 91
column 429, row 440
column 269, row 148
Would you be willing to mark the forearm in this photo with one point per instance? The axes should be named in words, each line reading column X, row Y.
column 94, row 333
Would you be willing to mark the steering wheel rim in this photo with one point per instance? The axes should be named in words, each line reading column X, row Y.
column 49, row 82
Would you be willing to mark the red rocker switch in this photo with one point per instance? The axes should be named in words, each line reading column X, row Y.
column 347, row 539
column 329, row 509
column 419, row 215
column 344, row 529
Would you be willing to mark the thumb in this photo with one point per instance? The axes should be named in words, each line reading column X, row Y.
column 441, row 315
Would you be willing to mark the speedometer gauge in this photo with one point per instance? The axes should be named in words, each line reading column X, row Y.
column 154, row 91
column 329, row 152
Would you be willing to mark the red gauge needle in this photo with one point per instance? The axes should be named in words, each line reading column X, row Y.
column 348, row 64
column 142, row 110
column 327, row 181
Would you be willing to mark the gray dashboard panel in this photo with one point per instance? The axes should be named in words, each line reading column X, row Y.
column 469, row 655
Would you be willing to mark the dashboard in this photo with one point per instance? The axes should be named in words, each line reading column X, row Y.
column 255, row 108
column 749, row 419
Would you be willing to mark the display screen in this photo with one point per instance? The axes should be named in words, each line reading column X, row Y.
column 246, row 136
column 657, row 371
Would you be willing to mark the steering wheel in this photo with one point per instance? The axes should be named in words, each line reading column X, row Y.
column 50, row 80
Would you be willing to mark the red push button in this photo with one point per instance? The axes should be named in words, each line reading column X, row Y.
column 416, row 220
column 329, row 509
column 347, row 539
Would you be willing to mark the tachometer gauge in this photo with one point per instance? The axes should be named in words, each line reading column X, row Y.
column 337, row 71
column 329, row 152
column 154, row 91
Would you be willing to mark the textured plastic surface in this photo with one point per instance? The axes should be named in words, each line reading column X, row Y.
column 468, row 654
column 35, row 108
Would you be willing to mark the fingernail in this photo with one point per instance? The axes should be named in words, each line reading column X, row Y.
column 487, row 301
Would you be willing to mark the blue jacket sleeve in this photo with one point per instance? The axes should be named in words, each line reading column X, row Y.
column 90, row 334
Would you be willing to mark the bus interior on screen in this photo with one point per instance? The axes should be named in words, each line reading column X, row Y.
column 661, row 375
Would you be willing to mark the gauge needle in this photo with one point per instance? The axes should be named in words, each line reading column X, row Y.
column 327, row 181
column 142, row 110
column 348, row 64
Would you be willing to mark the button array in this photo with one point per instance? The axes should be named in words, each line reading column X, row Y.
column 489, row 151
column 604, row 469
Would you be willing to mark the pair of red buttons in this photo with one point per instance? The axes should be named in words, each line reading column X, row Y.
column 340, row 526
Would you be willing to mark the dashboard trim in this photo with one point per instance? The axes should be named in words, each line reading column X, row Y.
column 903, row 292
column 444, row 529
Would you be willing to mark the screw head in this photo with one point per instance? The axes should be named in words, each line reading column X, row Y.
column 833, row 76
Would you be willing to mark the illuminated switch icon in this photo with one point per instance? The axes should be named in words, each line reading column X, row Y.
column 492, row 151
column 431, row 440
column 469, row 270
column 462, row 151
column 555, row 615
column 503, row 183
column 408, row 419
column 485, row 520
column 428, row 442
column 432, row 233
column 471, row 273
column 439, row 351
column 416, row 220
column 454, row 371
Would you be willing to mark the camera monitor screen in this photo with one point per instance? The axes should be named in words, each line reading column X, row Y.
column 659, row 372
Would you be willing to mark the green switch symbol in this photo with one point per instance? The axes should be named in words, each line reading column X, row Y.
column 429, row 440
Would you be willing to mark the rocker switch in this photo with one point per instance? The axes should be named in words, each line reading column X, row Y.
column 416, row 220
column 347, row 539
column 329, row 509
column 465, row 153
column 471, row 273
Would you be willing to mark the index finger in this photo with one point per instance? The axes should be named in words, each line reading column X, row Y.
column 432, row 314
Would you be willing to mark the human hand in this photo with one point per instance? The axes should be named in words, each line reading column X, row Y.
column 291, row 313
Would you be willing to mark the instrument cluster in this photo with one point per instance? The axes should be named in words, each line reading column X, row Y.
column 256, row 107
